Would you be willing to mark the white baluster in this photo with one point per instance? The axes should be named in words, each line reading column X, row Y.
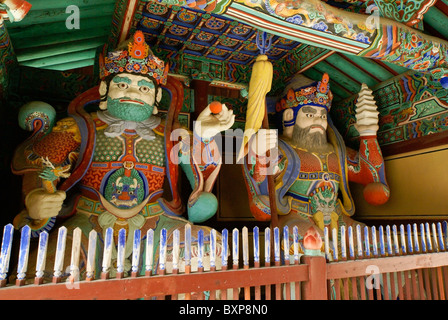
column 23, row 254
column 245, row 247
column 149, row 255
column 60, row 253
column 107, row 252
column 5, row 253
column 91, row 255
column 41, row 257
column 74, row 259
column 136, row 250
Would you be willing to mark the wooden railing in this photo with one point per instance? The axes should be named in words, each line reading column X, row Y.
column 363, row 264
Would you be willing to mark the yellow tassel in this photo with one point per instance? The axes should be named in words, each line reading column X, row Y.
column 259, row 85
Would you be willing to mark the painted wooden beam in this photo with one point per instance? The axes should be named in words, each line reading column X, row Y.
column 58, row 49
column 438, row 20
column 370, row 65
column 364, row 70
column 338, row 91
column 56, row 15
column 61, row 59
column 352, row 70
column 59, row 4
column 339, row 77
column 71, row 65
column 46, row 29
column 65, row 37
column 387, row 67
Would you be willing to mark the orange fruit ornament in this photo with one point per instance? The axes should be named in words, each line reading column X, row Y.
column 215, row 107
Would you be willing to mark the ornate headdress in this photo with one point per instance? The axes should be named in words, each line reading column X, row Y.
column 317, row 94
column 137, row 58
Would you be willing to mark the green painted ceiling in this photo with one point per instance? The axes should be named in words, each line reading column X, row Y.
column 42, row 40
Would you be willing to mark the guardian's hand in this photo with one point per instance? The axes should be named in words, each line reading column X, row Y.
column 209, row 123
column 264, row 141
column 43, row 205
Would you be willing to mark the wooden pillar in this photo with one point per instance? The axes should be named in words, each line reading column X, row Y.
column 316, row 287
column 200, row 88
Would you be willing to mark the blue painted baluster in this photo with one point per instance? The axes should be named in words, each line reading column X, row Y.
column 225, row 247
column 149, row 255
column 245, row 247
column 440, row 235
column 162, row 251
column 136, row 249
column 276, row 246
column 23, row 254
column 366, row 241
column 76, row 251
column 176, row 250
column 374, row 242
column 428, row 237
column 343, row 244
column 434, row 237
column 422, row 237
column 326, row 243
column 395, row 236
column 200, row 249
column 41, row 257
column 416, row 242
column 445, row 233
column 120, row 252
column 295, row 232
column 334, row 238
column 286, row 244
column 235, row 247
column 351, row 242
column 388, row 240
column 107, row 253
column 409, row 237
column 187, row 247
column 212, row 249
column 5, row 253
column 381, row 235
column 60, row 252
column 403, row 239
column 256, row 235
column 267, row 246
column 235, row 256
column 91, row 255
column 359, row 240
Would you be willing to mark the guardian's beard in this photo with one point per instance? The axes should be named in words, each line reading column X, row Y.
column 314, row 142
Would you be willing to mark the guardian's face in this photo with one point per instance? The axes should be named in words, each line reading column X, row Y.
column 131, row 97
column 314, row 118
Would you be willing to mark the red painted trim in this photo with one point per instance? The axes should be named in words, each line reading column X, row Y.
column 441, row 6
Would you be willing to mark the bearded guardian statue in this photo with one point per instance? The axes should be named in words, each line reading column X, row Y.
column 312, row 166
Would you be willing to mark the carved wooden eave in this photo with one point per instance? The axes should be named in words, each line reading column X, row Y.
column 316, row 23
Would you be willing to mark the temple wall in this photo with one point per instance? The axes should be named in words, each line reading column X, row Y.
column 417, row 185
